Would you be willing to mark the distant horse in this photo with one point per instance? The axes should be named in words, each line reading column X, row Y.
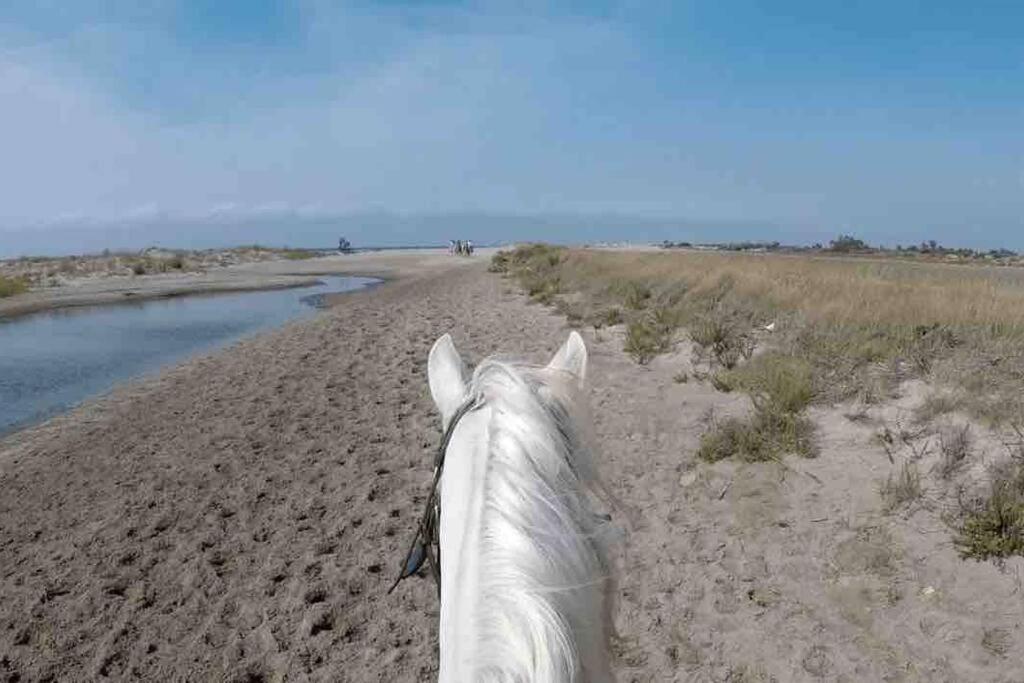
column 526, row 584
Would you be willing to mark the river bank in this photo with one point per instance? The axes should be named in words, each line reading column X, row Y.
column 252, row 276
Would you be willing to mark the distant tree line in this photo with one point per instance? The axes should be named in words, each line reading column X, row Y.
column 849, row 244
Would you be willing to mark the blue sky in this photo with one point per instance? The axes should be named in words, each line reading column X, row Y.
column 198, row 123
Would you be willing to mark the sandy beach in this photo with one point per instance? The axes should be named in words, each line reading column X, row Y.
column 239, row 517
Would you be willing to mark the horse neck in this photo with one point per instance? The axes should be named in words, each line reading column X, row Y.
column 523, row 578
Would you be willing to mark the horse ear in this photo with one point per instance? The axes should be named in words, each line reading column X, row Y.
column 572, row 357
column 444, row 372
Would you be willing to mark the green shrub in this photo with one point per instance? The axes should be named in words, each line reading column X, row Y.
column 500, row 262
column 780, row 388
column 650, row 335
column 732, row 437
column 9, row 286
column 786, row 383
column 766, row 435
column 993, row 526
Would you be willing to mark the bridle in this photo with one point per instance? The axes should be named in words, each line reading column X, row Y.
column 426, row 545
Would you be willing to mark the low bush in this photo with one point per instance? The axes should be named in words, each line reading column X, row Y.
column 766, row 435
column 992, row 526
column 651, row 334
column 785, row 383
column 9, row 286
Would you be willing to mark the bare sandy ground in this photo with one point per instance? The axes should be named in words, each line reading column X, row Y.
column 239, row 517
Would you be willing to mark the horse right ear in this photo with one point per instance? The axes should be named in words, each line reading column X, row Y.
column 444, row 372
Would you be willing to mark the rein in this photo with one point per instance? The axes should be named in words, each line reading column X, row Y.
column 426, row 544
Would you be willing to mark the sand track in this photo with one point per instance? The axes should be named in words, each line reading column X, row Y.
column 240, row 516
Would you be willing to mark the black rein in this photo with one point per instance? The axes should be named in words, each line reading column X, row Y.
column 426, row 544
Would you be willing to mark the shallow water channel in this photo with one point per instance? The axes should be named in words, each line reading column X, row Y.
column 52, row 360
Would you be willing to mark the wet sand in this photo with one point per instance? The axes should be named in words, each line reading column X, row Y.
column 239, row 517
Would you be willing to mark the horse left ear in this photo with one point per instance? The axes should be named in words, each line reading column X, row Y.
column 572, row 357
column 445, row 375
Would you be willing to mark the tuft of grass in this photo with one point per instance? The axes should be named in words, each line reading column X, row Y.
column 500, row 262
column 902, row 488
column 996, row 641
column 609, row 318
column 992, row 526
column 650, row 335
column 767, row 435
column 936, row 405
column 780, row 388
column 955, row 447
column 635, row 295
column 713, row 335
column 9, row 286
column 782, row 381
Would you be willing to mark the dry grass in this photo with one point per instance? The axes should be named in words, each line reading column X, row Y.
column 955, row 448
column 901, row 488
column 830, row 290
column 861, row 325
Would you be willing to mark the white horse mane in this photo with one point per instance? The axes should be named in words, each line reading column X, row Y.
column 543, row 605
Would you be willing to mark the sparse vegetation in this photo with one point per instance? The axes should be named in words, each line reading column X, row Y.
column 996, row 641
column 650, row 335
column 770, row 432
column 9, row 286
column 871, row 551
column 936, row 405
column 955, row 447
column 992, row 525
column 862, row 326
column 902, row 488
column 45, row 271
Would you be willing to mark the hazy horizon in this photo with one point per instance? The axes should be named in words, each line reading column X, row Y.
column 383, row 229
column 197, row 123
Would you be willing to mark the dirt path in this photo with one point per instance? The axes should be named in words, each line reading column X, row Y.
column 240, row 516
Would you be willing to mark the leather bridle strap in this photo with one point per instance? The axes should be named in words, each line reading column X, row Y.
column 425, row 545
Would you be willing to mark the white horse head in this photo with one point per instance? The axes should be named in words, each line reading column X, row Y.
column 526, row 582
